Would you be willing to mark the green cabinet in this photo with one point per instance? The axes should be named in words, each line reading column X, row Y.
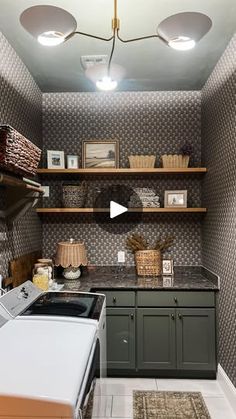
column 181, row 339
column 165, row 333
column 156, row 338
column 121, row 338
column 195, row 332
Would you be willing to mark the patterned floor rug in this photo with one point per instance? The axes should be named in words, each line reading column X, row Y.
column 169, row 405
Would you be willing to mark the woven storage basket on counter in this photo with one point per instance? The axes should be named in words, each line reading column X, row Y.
column 74, row 196
column 175, row 160
column 17, row 154
column 139, row 162
column 148, row 262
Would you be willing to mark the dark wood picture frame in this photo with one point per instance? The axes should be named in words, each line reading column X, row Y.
column 102, row 162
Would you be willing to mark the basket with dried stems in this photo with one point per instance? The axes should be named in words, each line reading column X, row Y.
column 148, row 261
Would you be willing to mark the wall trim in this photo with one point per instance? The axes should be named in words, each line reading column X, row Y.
column 227, row 387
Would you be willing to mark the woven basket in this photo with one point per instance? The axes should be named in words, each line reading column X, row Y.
column 148, row 262
column 142, row 161
column 74, row 196
column 175, row 160
column 17, row 154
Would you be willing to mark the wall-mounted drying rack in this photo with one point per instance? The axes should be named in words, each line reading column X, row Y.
column 25, row 196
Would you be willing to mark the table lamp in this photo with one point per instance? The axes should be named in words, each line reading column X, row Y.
column 71, row 255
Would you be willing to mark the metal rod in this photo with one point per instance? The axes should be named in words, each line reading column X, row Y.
column 2, row 291
column 115, row 9
column 138, row 39
column 111, row 54
column 34, row 188
column 88, row 35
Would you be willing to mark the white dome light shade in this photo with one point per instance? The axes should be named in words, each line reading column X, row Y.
column 48, row 24
column 106, row 84
column 182, row 43
column 183, row 30
column 51, row 38
column 99, row 76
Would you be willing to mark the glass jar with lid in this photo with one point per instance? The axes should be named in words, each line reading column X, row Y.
column 43, row 274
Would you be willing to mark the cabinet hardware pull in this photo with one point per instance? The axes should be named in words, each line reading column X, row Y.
column 125, row 341
column 175, row 300
column 172, row 316
column 132, row 316
column 114, row 299
column 180, row 316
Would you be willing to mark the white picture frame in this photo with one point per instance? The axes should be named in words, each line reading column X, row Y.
column 167, row 266
column 55, row 159
column 168, row 281
column 72, row 161
column 175, row 199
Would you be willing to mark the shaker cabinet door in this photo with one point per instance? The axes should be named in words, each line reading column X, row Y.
column 156, row 345
column 120, row 338
column 196, row 346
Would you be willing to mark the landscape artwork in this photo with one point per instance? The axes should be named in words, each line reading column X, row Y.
column 100, row 154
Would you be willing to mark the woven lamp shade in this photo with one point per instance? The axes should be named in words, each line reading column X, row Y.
column 71, row 254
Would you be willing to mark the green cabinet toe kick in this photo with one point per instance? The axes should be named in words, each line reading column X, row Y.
column 175, row 338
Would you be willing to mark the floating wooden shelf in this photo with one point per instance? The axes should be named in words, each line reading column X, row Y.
column 14, row 181
column 146, row 210
column 124, row 171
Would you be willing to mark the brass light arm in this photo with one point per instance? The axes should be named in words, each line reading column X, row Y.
column 88, row 35
column 125, row 41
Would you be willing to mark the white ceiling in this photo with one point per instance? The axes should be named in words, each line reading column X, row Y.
column 149, row 64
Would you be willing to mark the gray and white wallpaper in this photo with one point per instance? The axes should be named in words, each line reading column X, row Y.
column 219, row 195
column 147, row 122
column 21, row 107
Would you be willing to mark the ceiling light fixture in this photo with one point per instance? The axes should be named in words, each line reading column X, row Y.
column 106, row 83
column 52, row 26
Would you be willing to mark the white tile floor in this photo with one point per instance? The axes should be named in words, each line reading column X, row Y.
column 113, row 396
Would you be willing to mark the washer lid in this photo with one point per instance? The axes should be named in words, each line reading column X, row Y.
column 47, row 359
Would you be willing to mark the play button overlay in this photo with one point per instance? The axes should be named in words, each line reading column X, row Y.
column 116, row 209
column 118, row 217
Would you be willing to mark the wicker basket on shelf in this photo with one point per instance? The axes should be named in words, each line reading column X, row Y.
column 74, row 196
column 148, row 262
column 175, row 160
column 138, row 162
column 17, row 153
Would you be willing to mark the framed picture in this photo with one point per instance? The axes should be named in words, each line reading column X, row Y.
column 167, row 267
column 100, row 154
column 168, row 281
column 56, row 159
column 72, row 161
column 176, row 199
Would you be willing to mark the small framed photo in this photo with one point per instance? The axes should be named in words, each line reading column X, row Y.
column 175, row 199
column 72, row 161
column 168, row 281
column 100, row 154
column 167, row 267
column 56, row 159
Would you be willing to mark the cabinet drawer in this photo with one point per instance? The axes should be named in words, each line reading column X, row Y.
column 119, row 298
column 175, row 299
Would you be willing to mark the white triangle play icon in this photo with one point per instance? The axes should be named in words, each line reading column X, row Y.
column 116, row 209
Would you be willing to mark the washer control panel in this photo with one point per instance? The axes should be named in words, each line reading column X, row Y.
column 19, row 298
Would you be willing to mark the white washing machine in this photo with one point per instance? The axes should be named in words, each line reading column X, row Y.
column 54, row 346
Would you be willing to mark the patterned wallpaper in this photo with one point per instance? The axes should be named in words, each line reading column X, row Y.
column 152, row 122
column 21, row 102
column 219, row 194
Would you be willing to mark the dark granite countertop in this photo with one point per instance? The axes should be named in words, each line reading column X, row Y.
column 110, row 277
